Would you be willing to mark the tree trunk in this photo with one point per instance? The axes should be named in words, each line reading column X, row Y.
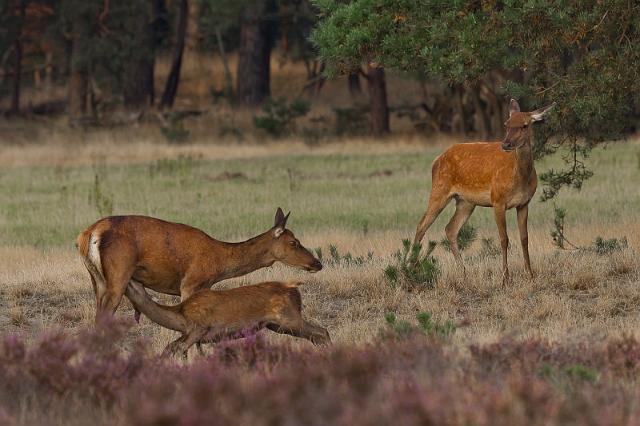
column 378, row 101
column 17, row 67
column 79, row 68
column 353, row 81
column 482, row 122
column 171, row 87
column 254, row 55
column 138, row 70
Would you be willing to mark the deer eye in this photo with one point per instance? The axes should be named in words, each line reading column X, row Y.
column 293, row 243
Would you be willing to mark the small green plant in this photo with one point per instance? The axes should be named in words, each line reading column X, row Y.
column 279, row 116
column 98, row 196
column 574, row 371
column 180, row 166
column 467, row 235
column 603, row 246
column 600, row 246
column 425, row 325
column 346, row 259
column 413, row 270
column 581, row 372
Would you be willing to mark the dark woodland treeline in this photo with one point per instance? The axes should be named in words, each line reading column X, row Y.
column 104, row 52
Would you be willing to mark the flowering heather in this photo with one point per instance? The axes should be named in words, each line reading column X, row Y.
column 412, row 379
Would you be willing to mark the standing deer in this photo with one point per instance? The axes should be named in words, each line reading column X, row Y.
column 177, row 259
column 487, row 174
column 209, row 316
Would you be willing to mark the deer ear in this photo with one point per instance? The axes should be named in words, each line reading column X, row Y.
column 277, row 232
column 513, row 107
column 539, row 114
column 279, row 217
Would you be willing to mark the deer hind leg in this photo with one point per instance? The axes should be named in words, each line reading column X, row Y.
column 460, row 217
column 438, row 200
column 183, row 343
column 117, row 261
column 523, row 213
column 186, row 290
column 499, row 212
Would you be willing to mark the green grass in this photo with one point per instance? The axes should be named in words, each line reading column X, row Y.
column 48, row 206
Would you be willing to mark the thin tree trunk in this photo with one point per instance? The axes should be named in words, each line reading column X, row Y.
column 378, row 101
column 483, row 124
column 17, row 67
column 459, row 117
column 138, row 70
column 254, row 56
column 228, row 79
column 79, row 69
column 171, row 87
column 353, row 82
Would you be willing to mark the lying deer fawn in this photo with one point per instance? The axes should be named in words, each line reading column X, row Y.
column 209, row 316
column 487, row 174
column 177, row 259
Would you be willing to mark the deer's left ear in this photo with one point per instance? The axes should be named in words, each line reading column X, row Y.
column 539, row 114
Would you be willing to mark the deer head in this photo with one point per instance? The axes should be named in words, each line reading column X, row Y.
column 287, row 249
column 519, row 125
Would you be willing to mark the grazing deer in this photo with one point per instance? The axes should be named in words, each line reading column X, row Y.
column 487, row 174
column 177, row 259
column 209, row 316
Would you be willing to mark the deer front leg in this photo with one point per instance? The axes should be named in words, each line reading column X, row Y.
column 499, row 211
column 523, row 213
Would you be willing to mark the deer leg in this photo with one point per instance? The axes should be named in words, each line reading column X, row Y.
column 116, row 275
column 523, row 213
column 183, row 343
column 460, row 217
column 304, row 329
column 499, row 212
column 186, row 290
column 437, row 202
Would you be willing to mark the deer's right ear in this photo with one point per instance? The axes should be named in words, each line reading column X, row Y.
column 513, row 107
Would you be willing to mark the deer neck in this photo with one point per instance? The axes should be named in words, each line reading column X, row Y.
column 524, row 161
column 247, row 256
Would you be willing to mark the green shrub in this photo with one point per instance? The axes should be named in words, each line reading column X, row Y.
column 346, row 260
column 279, row 116
column 351, row 121
column 412, row 269
column 602, row 246
column 425, row 325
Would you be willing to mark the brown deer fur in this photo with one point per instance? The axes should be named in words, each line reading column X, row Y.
column 177, row 259
column 487, row 174
column 211, row 315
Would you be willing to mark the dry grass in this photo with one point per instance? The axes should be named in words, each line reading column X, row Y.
column 574, row 295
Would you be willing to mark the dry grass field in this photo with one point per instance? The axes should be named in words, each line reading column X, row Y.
column 360, row 196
